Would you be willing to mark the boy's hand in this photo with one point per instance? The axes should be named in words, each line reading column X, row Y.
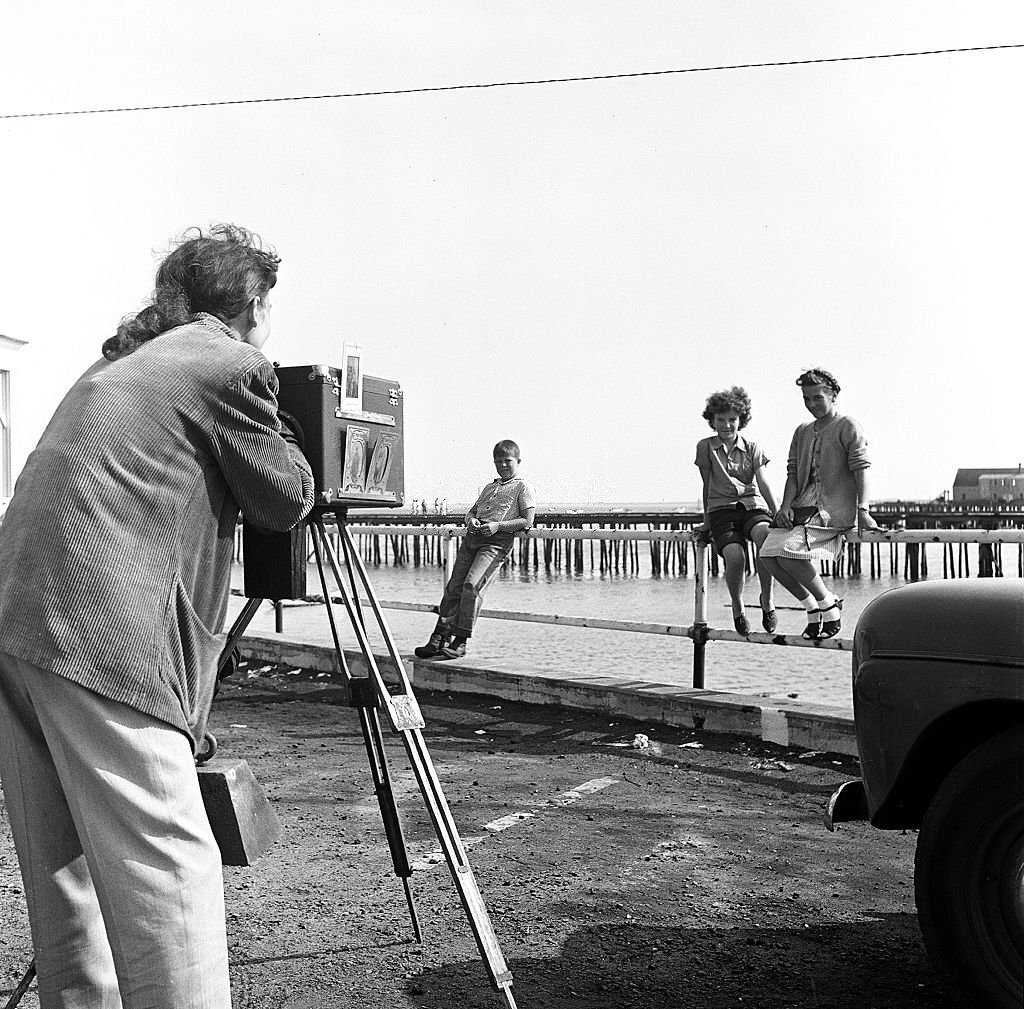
column 488, row 528
column 472, row 522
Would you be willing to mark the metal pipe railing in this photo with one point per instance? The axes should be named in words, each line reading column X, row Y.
column 699, row 631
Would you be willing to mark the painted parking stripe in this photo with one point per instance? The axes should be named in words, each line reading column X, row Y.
column 589, row 787
column 436, row 856
column 496, row 826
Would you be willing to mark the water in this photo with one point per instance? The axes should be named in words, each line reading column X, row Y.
column 808, row 675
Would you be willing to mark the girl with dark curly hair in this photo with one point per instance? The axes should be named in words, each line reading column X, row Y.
column 738, row 503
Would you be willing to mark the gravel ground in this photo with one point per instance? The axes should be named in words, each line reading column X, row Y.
column 692, row 872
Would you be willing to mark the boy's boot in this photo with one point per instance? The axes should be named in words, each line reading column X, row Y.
column 434, row 646
column 455, row 649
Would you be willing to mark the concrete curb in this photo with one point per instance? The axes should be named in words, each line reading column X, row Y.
column 806, row 726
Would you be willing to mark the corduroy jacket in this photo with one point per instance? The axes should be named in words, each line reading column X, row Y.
column 116, row 548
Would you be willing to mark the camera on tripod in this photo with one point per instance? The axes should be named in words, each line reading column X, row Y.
column 352, row 438
column 356, row 454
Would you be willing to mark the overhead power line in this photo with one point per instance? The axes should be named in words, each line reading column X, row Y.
column 507, row 84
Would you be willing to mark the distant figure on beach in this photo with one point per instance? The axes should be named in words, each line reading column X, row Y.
column 505, row 506
column 444, row 506
column 738, row 503
column 826, row 495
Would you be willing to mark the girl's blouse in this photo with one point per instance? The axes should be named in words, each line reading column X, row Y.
column 729, row 473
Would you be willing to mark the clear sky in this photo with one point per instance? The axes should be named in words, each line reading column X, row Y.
column 573, row 265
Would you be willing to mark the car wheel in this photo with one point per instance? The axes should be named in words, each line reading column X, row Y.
column 969, row 873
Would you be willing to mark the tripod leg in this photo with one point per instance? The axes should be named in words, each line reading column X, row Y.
column 373, row 740
column 364, row 699
column 23, row 986
column 238, row 628
column 407, row 721
column 401, row 709
column 458, row 863
column 355, row 564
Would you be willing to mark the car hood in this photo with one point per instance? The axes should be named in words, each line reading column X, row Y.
column 980, row 621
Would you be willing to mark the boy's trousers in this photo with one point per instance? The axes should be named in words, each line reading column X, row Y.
column 122, row 874
column 479, row 559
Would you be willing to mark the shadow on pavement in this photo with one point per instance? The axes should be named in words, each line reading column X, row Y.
column 874, row 964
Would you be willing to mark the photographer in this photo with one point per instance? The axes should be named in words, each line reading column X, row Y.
column 115, row 558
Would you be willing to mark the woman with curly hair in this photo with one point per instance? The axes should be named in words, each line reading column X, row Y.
column 738, row 503
column 115, row 560
column 826, row 495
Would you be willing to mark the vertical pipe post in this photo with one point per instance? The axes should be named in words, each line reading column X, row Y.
column 449, row 553
column 700, row 613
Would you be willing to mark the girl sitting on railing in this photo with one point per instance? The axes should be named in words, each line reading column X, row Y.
column 738, row 503
column 826, row 495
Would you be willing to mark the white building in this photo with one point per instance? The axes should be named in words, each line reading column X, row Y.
column 9, row 348
column 981, row 486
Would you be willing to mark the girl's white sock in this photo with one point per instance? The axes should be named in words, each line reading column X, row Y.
column 829, row 607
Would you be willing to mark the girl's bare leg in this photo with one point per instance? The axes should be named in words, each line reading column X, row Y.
column 774, row 566
column 757, row 537
column 735, row 557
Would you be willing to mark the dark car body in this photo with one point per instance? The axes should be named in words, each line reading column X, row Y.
column 938, row 693
column 938, row 668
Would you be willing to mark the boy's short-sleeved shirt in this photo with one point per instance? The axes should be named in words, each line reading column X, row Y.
column 503, row 500
column 730, row 473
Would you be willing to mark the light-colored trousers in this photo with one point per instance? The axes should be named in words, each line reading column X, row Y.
column 122, row 874
column 479, row 559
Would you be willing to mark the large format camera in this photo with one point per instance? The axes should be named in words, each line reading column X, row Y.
column 354, row 445
column 356, row 448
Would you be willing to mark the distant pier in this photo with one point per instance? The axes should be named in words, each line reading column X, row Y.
column 668, row 557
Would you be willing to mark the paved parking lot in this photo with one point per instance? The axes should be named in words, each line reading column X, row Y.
column 692, row 872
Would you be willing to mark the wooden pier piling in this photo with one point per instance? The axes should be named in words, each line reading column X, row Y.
column 676, row 558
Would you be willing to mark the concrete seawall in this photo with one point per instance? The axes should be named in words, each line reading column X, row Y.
column 807, row 726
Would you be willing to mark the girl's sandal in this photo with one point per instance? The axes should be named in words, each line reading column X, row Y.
column 813, row 629
column 769, row 619
column 830, row 628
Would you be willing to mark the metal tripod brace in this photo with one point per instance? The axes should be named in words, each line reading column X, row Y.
column 369, row 694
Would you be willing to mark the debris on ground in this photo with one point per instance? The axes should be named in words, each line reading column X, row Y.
column 769, row 764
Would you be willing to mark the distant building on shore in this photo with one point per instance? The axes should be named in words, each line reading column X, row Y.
column 983, row 486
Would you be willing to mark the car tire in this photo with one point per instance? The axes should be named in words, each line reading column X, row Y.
column 969, row 873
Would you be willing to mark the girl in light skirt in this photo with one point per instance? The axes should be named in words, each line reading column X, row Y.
column 826, row 496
